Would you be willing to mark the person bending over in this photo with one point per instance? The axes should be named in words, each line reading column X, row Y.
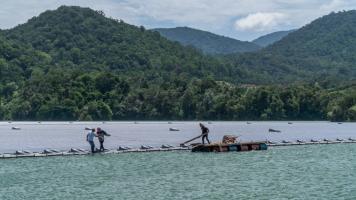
column 204, row 132
column 101, row 134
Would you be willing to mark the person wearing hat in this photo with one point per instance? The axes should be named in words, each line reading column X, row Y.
column 101, row 134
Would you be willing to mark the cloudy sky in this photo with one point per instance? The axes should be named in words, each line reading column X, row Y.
column 241, row 19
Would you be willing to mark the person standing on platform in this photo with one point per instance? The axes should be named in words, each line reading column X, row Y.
column 90, row 139
column 204, row 133
column 101, row 134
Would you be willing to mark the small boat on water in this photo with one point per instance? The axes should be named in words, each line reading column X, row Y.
column 228, row 144
column 221, row 147
column 173, row 129
column 271, row 130
column 15, row 128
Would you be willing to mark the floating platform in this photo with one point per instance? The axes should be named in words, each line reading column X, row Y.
column 221, row 147
column 313, row 142
column 217, row 147
column 76, row 152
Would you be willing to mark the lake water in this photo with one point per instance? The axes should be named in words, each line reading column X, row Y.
column 36, row 136
column 295, row 172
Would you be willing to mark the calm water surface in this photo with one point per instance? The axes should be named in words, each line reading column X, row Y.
column 299, row 172
column 35, row 136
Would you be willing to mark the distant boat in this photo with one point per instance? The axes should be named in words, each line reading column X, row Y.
column 173, row 129
column 15, row 128
column 274, row 130
column 290, row 123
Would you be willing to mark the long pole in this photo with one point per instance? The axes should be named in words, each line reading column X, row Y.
column 191, row 139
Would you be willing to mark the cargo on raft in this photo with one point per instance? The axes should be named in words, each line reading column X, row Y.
column 221, row 147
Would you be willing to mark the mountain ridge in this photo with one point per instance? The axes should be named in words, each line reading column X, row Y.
column 206, row 41
column 271, row 38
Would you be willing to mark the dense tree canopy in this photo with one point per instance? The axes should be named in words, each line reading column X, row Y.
column 75, row 64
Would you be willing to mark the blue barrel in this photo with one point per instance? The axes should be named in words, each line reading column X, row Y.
column 263, row 146
column 233, row 147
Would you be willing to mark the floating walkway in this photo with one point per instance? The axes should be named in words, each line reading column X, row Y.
column 73, row 152
column 163, row 148
column 311, row 142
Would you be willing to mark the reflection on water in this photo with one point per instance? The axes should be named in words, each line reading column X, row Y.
column 36, row 136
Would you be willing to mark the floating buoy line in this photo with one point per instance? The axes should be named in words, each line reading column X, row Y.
column 165, row 147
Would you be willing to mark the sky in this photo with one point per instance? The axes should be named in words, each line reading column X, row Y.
column 240, row 19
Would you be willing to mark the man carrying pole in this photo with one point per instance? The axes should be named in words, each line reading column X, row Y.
column 204, row 133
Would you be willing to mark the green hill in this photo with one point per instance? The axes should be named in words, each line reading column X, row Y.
column 207, row 42
column 76, row 64
column 322, row 50
column 271, row 38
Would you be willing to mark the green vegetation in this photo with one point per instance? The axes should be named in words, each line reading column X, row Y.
column 271, row 38
column 207, row 42
column 322, row 50
column 75, row 64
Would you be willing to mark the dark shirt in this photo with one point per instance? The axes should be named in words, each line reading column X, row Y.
column 204, row 130
column 101, row 135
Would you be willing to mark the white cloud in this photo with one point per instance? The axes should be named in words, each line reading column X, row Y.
column 261, row 21
column 256, row 17
column 333, row 5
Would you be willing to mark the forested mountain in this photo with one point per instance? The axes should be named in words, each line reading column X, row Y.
column 207, row 42
column 322, row 50
column 75, row 64
column 271, row 38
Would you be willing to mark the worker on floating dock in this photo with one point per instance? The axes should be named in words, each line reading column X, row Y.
column 101, row 134
column 90, row 139
column 204, row 133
